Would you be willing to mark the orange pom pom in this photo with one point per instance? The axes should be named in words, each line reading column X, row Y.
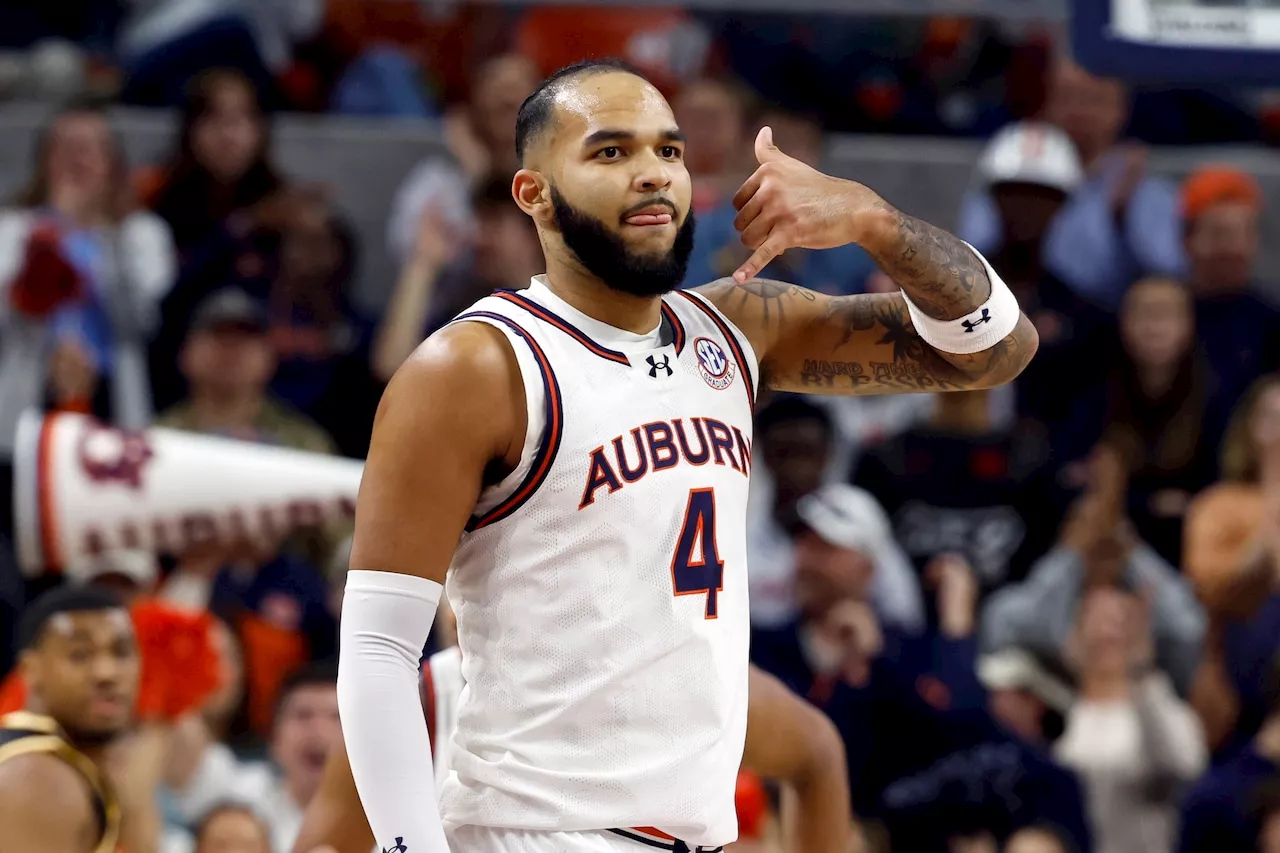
column 180, row 666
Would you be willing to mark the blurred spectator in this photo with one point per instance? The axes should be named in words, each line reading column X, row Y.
column 1038, row 839
column 1131, row 740
column 712, row 114
column 795, row 443
column 83, row 272
column 718, row 248
column 221, row 166
column 1267, row 811
column 1239, row 331
column 1160, row 407
column 304, row 731
column 321, row 341
column 481, row 141
column 273, row 594
column 1030, row 170
column 1004, row 517
column 994, row 774
column 229, row 362
column 1126, row 217
column 229, row 828
column 442, row 278
column 1230, row 805
column 1232, row 543
column 1097, row 546
column 165, row 43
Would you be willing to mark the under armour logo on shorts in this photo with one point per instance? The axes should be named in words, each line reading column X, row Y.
column 970, row 325
column 399, row 848
column 655, row 365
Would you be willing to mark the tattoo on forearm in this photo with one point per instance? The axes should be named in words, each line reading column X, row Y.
column 863, row 344
column 938, row 271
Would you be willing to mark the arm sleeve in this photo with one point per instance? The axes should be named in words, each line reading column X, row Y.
column 386, row 618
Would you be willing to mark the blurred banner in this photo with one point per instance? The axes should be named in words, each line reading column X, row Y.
column 82, row 488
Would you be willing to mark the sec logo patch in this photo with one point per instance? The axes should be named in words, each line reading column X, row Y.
column 715, row 367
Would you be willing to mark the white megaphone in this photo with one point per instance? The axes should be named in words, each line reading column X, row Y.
column 83, row 488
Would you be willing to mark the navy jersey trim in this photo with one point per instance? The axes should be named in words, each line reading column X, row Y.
column 677, row 328
column 563, row 325
column 552, row 432
column 734, row 346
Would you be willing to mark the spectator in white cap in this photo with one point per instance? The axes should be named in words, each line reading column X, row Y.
column 794, row 438
column 1126, row 217
column 1030, row 170
column 847, row 542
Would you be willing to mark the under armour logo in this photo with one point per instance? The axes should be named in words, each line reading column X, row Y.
column 399, row 848
column 655, row 365
column 970, row 325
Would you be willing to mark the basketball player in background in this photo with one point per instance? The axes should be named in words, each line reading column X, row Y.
column 575, row 458
column 81, row 667
column 788, row 740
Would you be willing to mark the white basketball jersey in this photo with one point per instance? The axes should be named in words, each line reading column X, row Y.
column 601, row 588
column 441, row 685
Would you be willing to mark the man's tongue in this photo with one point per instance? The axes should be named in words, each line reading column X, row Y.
column 648, row 219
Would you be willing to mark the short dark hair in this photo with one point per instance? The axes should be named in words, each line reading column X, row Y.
column 316, row 674
column 63, row 599
column 536, row 111
column 792, row 408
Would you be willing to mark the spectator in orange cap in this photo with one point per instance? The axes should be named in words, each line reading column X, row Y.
column 1238, row 330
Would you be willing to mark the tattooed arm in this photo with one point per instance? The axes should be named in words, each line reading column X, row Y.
column 856, row 344
column 861, row 344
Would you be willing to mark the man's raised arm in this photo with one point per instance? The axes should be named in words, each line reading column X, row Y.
column 954, row 325
column 455, row 407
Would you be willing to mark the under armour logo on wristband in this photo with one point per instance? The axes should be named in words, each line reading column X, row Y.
column 399, row 848
column 970, row 325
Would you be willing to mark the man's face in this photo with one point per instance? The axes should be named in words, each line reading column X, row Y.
column 228, row 360
column 827, row 573
column 84, row 672
column 1222, row 244
column 307, row 729
column 616, row 177
column 1026, row 211
column 796, row 453
column 711, row 116
column 501, row 86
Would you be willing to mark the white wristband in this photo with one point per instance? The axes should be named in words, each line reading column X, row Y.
column 976, row 331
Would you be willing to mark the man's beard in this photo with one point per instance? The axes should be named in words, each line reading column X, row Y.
column 90, row 738
column 606, row 256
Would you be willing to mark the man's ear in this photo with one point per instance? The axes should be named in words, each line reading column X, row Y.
column 532, row 194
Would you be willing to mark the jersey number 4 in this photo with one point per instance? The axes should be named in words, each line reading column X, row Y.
column 696, row 567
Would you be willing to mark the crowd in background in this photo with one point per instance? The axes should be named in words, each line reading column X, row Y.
column 1048, row 616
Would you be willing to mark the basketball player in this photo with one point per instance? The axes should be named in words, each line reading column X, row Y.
column 81, row 668
column 787, row 740
column 576, row 456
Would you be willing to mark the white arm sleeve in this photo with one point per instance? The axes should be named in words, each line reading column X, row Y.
column 386, row 618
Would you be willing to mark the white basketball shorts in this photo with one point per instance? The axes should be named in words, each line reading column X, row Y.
column 484, row 839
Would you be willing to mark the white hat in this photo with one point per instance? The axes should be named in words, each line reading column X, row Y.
column 1015, row 669
column 135, row 564
column 1031, row 153
column 846, row 516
